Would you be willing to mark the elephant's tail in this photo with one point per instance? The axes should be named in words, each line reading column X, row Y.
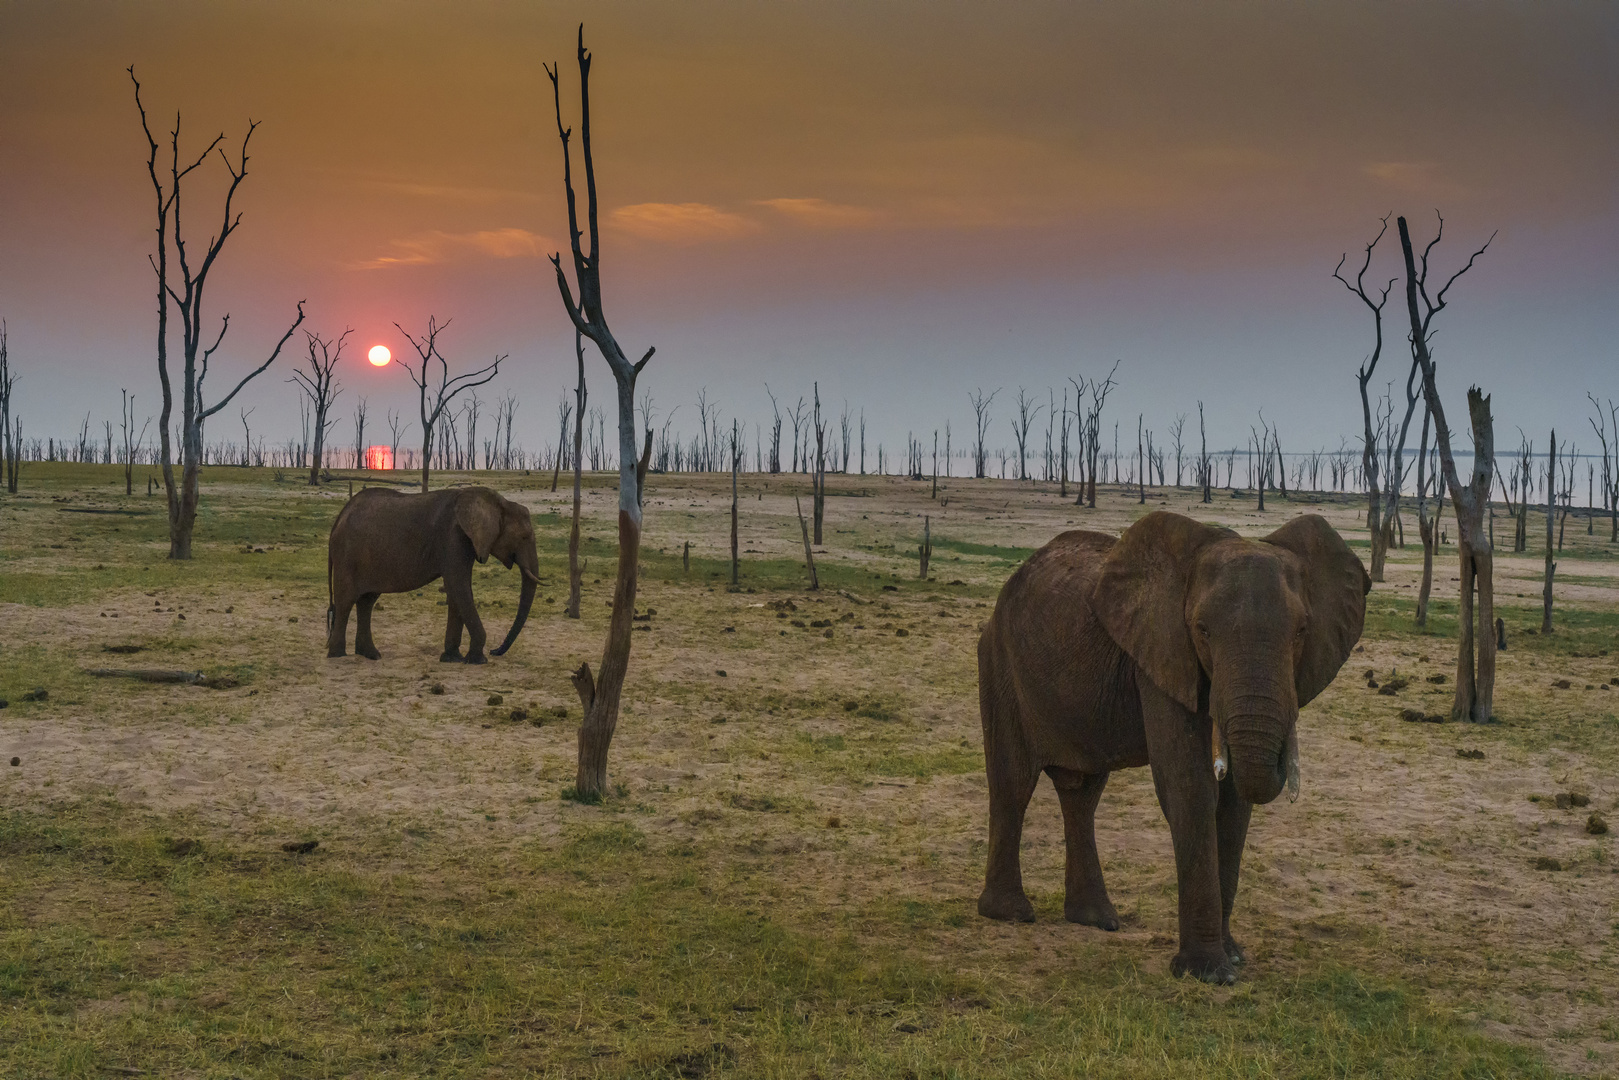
column 331, row 605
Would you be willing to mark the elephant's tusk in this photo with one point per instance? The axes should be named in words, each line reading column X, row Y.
column 1221, row 752
column 1290, row 754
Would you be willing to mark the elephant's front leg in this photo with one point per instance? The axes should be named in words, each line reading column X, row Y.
column 363, row 645
column 1085, row 898
column 452, row 635
column 1178, row 747
column 1232, row 826
column 458, row 597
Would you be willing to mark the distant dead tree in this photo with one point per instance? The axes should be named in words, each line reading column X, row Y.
column 1062, row 450
column 576, row 572
column 1028, row 410
column 394, row 429
column 435, row 387
column 1428, row 528
column 1364, row 376
column 564, row 409
column 600, row 696
column 1607, row 428
column 981, row 404
column 1090, row 448
column 187, row 298
column 360, row 408
column 1175, row 430
column 319, row 385
column 1475, row 654
column 1205, row 464
column 1142, row 462
column 132, row 443
column 844, row 431
column 10, row 440
column 247, row 435
column 736, row 465
column 775, row 436
column 1551, row 513
column 797, row 417
column 818, row 467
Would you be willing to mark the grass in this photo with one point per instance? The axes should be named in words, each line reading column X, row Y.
column 781, row 879
column 607, row 955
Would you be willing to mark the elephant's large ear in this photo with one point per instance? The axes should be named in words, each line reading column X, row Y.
column 478, row 515
column 1335, row 584
column 1141, row 598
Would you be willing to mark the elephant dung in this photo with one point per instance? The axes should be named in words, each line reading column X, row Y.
column 1596, row 825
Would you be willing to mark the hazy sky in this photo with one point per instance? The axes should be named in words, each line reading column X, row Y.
column 902, row 200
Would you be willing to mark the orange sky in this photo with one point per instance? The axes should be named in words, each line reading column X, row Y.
column 902, row 200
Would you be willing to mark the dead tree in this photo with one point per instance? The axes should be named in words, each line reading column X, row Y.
column 8, row 381
column 131, row 445
column 188, row 299
column 925, row 551
column 247, row 434
column 319, row 385
column 600, row 695
column 1205, row 464
column 393, row 438
column 809, row 554
column 818, row 468
column 576, row 573
column 1475, row 654
column 1027, row 412
column 775, row 436
column 981, row 405
column 1141, row 460
column 1551, row 512
column 436, row 388
column 10, row 437
column 736, row 466
column 1175, row 431
column 1427, row 527
column 797, row 417
column 1610, row 460
column 935, row 492
column 1364, row 376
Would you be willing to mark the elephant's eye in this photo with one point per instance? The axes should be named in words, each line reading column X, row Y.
column 1202, row 630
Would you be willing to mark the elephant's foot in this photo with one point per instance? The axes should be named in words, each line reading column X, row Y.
column 1214, row 969
column 449, row 658
column 335, row 651
column 1098, row 913
column 477, row 658
column 369, row 652
column 1008, row 905
column 1234, row 952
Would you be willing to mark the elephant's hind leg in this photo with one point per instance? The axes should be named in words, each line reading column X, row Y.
column 337, row 633
column 1086, row 899
column 363, row 645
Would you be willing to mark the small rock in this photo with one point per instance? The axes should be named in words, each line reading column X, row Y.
column 16, row 761
column 1561, row 684
column 890, row 588
column 436, row 688
column 4, row 704
column 290, row 618
column 1471, row 755
column 1438, row 678
column 1578, row 798
column 300, row 847
column 1596, row 825
column 827, row 634
column 720, row 672
column 38, row 693
column 1371, row 684
column 1412, row 716
column 1563, row 801
column 1546, row 862
column 559, row 711
column 230, row 609
column 495, row 699
column 519, row 715
column 902, row 632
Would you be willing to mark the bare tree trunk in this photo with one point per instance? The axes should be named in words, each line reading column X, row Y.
column 601, row 696
column 736, row 463
column 1475, row 675
column 926, row 550
column 818, row 469
column 809, row 555
column 1551, row 510
column 576, row 574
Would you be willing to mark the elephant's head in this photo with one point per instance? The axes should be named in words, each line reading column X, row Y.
column 1246, row 630
column 504, row 529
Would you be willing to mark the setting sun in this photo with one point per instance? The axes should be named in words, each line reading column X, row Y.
column 379, row 355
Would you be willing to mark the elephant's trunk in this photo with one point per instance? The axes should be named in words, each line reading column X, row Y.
column 528, row 563
column 1257, row 722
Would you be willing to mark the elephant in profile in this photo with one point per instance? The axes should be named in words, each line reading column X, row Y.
column 1177, row 645
column 384, row 541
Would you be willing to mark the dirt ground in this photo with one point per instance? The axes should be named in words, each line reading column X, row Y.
column 849, row 754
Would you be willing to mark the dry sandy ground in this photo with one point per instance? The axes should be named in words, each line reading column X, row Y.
column 1401, row 857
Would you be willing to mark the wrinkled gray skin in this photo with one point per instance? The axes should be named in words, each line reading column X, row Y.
column 384, row 541
column 1180, row 646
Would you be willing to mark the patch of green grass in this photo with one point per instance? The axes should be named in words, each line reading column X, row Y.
column 455, row 962
column 994, row 551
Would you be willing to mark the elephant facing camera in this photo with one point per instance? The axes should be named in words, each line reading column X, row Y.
column 385, row 541
column 1180, row 646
